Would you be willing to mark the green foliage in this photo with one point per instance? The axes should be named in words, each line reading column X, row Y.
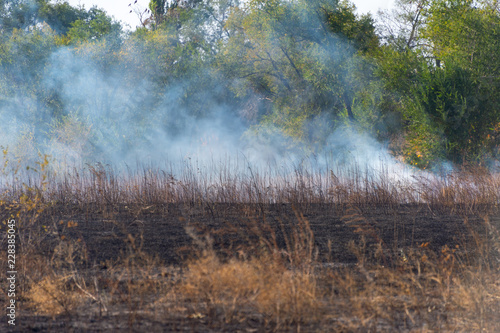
column 94, row 27
column 449, row 71
column 157, row 8
column 22, row 65
column 18, row 14
column 428, row 79
column 60, row 15
column 285, row 53
column 359, row 32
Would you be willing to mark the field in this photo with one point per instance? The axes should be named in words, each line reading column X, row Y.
column 210, row 249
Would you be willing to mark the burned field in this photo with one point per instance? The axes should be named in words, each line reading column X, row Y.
column 160, row 230
column 250, row 166
column 99, row 252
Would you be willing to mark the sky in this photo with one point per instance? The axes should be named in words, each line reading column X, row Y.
column 121, row 11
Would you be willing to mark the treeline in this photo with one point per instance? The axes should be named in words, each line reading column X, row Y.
column 423, row 78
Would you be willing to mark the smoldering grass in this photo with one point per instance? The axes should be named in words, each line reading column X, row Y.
column 229, row 181
column 273, row 278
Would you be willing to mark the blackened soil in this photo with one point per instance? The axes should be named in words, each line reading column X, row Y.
column 110, row 232
column 161, row 230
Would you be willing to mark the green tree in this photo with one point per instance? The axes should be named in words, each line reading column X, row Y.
column 23, row 95
column 297, row 59
column 401, row 26
column 96, row 25
column 60, row 15
column 465, row 38
column 441, row 71
column 183, row 44
column 18, row 14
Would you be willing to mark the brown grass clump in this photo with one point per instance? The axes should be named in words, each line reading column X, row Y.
column 231, row 289
column 274, row 282
column 422, row 290
column 476, row 296
column 53, row 295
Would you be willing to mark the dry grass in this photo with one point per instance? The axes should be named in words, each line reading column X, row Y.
column 273, row 279
column 276, row 283
column 464, row 190
column 230, row 290
column 420, row 290
column 53, row 296
column 424, row 291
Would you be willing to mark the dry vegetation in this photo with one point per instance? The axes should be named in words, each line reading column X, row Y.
column 269, row 277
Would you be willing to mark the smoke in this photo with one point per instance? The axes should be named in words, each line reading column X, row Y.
column 108, row 118
column 95, row 103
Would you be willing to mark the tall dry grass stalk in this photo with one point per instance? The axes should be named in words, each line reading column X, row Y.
column 272, row 277
column 463, row 191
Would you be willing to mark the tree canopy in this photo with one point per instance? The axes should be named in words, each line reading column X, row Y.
column 423, row 78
